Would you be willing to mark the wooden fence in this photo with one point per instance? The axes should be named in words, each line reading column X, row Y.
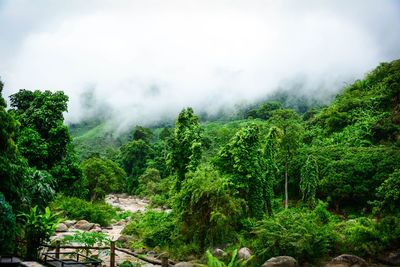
column 164, row 262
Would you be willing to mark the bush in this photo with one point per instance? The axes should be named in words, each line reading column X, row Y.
column 366, row 237
column 7, row 226
column 38, row 229
column 79, row 209
column 296, row 233
column 155, row 228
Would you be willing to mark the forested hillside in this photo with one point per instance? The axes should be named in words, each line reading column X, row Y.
column 295, row 178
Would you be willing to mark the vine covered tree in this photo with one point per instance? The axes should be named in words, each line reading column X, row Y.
column 185, row 145
column 240, row 160
column 309, row 179
column 269, row 165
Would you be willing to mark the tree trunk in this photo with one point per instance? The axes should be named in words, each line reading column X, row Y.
column 286, row 183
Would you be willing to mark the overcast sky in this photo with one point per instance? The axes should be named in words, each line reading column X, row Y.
column 144, row 60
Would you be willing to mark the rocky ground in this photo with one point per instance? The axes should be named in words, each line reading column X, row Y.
column 126, row 203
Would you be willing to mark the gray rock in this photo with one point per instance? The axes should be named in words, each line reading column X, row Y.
column 61, row 227
column 185, row 264
column 120, row 223
column 69, row 223
column 345, row 260
column 122, row 239
column 113, row 220
column 244, row 253
column 280, row 261
column 96, row 230
column 84, row 225
column 219, row 253
column 392, row 258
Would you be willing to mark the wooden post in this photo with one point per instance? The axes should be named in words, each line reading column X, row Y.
column 164, row 261
column 112, row 253
column 58, row 249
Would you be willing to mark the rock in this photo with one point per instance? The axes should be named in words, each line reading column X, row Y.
column 120, row 223
column 122, row 239
column 392, row 258
column 96, row 230
column 185, row 264
column 219, row 253
column 113, row 220
column 152, row 254
column 280, row 261
column 244, row 253
column 61, row 227
column 108, row 227
column 345, row 260
column 84, row 225
column 69, row 223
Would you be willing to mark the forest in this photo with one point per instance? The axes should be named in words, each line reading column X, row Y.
column 282, row 178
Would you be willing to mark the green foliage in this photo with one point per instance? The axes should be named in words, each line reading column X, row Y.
column 40, row 188
column 155, row 228
column 86, row 239
column 142, row 133
column 366, row 237
column 388, row 193
column 79, row 209
column 150, row 179
column 134, row 156
column 294, row 233
column 186, row 146
column 104, row 176
column 206, row 208
column 44, row 141
column 265, row 111
column 127, row 264
column 309, row 179
column 8, row 226
column 215, row 262
column 38, row 229
column 240, row 159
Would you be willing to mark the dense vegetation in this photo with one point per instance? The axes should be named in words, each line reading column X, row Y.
column 309, row 182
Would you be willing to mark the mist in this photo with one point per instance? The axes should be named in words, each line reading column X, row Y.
column 140, row 62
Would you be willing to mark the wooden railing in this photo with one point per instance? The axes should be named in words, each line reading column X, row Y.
column 164, row 262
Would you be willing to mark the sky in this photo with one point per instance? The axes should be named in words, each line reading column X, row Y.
column 143, row 61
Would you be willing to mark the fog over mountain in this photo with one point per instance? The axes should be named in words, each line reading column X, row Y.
column 142, row 61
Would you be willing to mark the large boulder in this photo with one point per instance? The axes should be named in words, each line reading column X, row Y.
column 84, row 225
column 280, row 261
column 347, row 261
column 69, row 223
column 244, row 253
column 61, row 227
column 219, row 253
column 392, row 258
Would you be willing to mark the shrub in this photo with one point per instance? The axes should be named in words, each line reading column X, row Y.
column 155, row 228
column 38, row 229
column 366, row 237
column 79, row 209
column 7, row 226
column 295, row 233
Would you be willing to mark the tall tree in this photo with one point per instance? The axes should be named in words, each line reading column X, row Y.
column 104, row 176
column 185, row 145
column 269, row 165
column 288, row 121
column 44, row 141
column 309, row 179
column 240, row 160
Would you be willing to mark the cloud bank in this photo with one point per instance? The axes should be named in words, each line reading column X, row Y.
column 143, row 61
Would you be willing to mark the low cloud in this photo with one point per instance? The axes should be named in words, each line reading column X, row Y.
column 143, row 61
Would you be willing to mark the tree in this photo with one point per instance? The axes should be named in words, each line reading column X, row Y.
column 104, row 176
column 44, row 141
column 269, row 165
column 309, row 179
column 13, row 168
column 185, row 145
column 240, row 159
column 142, row 133
column 288, row 121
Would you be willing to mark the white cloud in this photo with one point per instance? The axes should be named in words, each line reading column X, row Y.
column 148, row 59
